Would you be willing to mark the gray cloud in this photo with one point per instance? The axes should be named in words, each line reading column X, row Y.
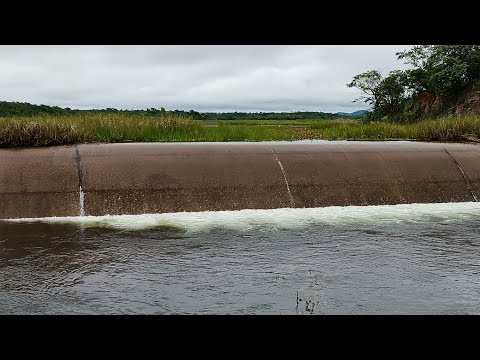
column 200, row 77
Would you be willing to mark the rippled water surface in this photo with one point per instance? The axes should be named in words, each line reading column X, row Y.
column 402, row 259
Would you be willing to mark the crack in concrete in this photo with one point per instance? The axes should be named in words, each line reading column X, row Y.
column 292, row 201
column 469, row 186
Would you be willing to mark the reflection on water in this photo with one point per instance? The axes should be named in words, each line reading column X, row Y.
column 364, row 262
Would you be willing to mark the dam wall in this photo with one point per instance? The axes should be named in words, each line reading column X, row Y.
column 138, row 178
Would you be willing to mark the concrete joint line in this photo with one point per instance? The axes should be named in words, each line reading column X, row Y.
column 292, row 201
column 469, row 186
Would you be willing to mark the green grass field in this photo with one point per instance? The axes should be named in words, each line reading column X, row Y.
column 94, row 127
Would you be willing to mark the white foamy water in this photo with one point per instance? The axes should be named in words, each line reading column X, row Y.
column 286, row 218
column 82, row 202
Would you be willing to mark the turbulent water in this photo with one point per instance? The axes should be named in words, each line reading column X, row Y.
column 400, row 259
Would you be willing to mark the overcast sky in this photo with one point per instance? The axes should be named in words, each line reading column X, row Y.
column 198, row 77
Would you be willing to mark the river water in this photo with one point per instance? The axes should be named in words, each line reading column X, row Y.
column 399, row 259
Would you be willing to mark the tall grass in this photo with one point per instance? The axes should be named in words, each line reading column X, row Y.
column 301, row 122
column 93, row 127
column 117, row 127
column 442, row 129
column 48, row 130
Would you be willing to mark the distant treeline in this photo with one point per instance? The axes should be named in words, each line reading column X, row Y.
column 299, row 115
column 27, row 109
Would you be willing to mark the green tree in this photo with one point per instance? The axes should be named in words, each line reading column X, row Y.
column 442, row 69
column 416, row 56
column 384, row 94
column 368, row 83
column 453, row 67
column 391, row 90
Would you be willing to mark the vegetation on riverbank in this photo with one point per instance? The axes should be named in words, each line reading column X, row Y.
column 48, row 130
column 442, row 80
column 436, row 99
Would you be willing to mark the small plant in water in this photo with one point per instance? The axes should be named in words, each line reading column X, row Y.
column 311, row 300
column 309, row 304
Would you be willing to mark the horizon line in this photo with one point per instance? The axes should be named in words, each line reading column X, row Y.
column 81, row 108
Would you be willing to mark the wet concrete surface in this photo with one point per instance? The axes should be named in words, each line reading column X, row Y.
column 138, row 178
column 38, row 182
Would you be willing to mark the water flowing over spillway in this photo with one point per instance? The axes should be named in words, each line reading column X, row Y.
column 388, row 259
column 277, row 219
column 307, row 227
column 148, row 178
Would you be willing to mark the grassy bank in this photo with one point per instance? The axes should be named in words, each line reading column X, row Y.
column 105, row 127
column 442, row 129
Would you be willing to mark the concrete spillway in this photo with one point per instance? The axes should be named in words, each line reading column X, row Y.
column 100, row 179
